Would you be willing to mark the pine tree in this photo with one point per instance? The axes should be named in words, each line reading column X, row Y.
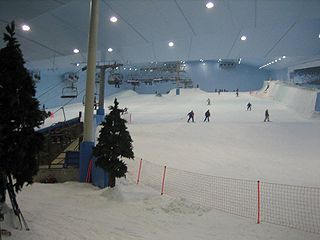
column 114, row 142
column 19, row 115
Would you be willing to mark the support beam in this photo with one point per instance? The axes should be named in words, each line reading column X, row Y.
column 88, row 133
column 101, row 111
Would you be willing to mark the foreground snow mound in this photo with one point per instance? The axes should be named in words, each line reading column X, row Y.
column 76, row 211
column 127, row 192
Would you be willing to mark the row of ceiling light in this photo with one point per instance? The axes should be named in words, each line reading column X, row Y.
column 272, row 62
column 27, row 28
column 114, row 19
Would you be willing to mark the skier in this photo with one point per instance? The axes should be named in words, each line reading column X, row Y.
column 207, row 115
column 266, row 114
column 237, row 92
column 208, row 101
column 95, row 103
column 249, row 106
column 191, row 116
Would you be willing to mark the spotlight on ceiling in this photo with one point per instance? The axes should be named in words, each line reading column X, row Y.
column 171, row 44
column 25, row 28
column 110, row 49
column 243, row 38
column 209, row 5
column 113, row 19
column 76, row 50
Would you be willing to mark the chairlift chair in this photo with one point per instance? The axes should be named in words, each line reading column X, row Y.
column 115, row 78
column 69, row 92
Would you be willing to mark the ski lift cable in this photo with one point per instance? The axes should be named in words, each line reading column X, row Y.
column 49, row 89
column 66, row 103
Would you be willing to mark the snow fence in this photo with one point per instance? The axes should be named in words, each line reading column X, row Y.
column 287, row 205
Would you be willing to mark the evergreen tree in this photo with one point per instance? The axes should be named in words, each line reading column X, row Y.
column 19, row 116
column 114, row 142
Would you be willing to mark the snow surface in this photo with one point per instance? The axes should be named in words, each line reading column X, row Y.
column 235, row 143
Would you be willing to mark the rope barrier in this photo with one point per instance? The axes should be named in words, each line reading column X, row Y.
column 287, row 205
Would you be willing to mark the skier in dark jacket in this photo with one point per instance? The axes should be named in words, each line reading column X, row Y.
column 191, row 116
column 266, row 116
column 249, row 106
column 207, row 115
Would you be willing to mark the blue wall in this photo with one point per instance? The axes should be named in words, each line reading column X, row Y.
column 207, row 75
column 281, row 74
column 210, row 77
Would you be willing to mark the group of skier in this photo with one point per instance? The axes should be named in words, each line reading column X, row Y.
column 206, row 116
column 207, row 113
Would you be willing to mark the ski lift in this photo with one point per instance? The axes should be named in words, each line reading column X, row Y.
column 115, row 77
column 69, row 92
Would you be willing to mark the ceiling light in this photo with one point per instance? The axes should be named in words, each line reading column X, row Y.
column 209, row 5
column 283, row 57
column 171, row 44
column 124, row 68
column 76, row 50
column 243, row 38
column 201, row 60
column 113, row 19
column 130, row 69
column 78, row 64
column 110, row 49
column 25, row 28
column 272, row 62
column 219, row 60
column 279, row 59
column 319, row 35
column 276, row 60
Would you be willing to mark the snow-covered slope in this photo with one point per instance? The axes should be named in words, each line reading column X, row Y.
column 301, row 100
column 74, row 211
column 235, row 143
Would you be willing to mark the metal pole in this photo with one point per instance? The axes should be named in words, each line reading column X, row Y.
column 88, row 137
column 101, row 87
column 92, row 48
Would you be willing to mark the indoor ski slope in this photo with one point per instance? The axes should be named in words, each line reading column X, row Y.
column 235, row 143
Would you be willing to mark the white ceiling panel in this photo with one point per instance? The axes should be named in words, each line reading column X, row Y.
column 144, row 28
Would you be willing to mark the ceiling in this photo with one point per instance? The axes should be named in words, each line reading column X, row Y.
column 273, row 28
